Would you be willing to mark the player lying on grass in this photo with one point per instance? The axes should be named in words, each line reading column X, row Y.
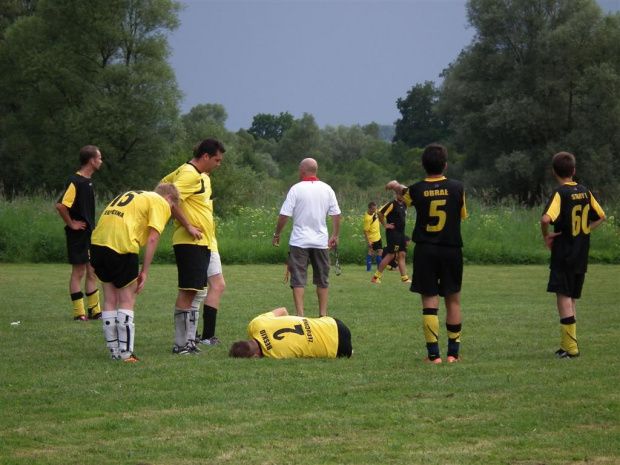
column 132, row 220
column 277, row 334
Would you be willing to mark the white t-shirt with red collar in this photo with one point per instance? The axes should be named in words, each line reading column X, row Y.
column 309, row 202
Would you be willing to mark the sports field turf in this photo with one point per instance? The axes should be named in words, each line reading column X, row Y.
column 509, row 402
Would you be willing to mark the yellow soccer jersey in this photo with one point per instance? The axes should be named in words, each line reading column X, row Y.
column 124, row 224
column 371, row 225
column 195, row 190
column 295, row 336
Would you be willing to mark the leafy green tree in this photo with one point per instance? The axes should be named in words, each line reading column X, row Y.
column 202, row 121
column 420, row 124
column 540, row 76
column 265, row 126
column 87, row 72
column 373, row 130
column 302, row 140
column 214, row 112
column 344, row 144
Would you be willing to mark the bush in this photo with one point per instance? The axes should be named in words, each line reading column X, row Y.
column 32, row 231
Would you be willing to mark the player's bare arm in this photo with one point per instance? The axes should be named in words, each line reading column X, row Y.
column 395, row 186
column 66, row 217
column 282, row 219
column 333, row 241
column 178, row 215
column 149, row 253
column 382, row 221
column 597, row 223
column 281, row 311
column 545, row 221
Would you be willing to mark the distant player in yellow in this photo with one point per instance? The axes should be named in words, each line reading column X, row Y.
column 393, row 216
column 194, row 232
column 279, row 335
column 76, row 207
column 574, row 213
column 372, row 233
column 132, row 220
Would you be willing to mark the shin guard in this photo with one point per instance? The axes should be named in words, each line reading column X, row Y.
column 126, row 332
column 109, row 322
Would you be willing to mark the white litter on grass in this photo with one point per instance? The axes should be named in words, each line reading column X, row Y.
column 15, row 323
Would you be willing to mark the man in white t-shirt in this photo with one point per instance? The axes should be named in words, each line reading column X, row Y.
column 309, row 202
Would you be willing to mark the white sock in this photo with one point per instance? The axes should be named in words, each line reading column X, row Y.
column 126, row 332
column 180, row 326
column 109, row 322
column 192, row 322
column 199, row 298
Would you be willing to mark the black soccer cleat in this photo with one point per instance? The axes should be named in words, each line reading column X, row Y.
column 560, row 353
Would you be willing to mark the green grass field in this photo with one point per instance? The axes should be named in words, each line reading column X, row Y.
column 509, row 402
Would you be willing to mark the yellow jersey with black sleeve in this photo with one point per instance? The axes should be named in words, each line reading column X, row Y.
column 371, row 226
column 124, row 224
column 295, row 336
column 195, row 193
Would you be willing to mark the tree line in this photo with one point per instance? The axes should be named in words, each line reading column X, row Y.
column 540, row 76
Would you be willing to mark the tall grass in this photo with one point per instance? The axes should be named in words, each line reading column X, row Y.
column 32, row 231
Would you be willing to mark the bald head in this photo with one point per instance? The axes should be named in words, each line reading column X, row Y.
column 308, row 167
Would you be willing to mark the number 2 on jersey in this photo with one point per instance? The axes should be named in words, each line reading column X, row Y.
column 297, row 329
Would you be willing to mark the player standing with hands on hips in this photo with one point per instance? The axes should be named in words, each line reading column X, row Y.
column 574, row 213
column 76, row 207
column 438, row 255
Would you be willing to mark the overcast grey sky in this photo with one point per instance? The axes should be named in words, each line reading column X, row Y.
column 343, row 61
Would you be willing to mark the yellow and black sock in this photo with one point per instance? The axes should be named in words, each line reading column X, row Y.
column 404, row 278
column 568, row 330
column 377, row 275
column 454, row 339
column 93, row 303
column 430, row 324
column 77, row 299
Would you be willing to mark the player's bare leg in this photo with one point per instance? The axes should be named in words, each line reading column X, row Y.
column 402, row 267
column 566, row 306
column 322, row 293
column 298, row 298
column 92, row 293
column 384, row 263
column 75, row 281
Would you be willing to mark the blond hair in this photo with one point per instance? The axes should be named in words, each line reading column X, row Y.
column 167, row 188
